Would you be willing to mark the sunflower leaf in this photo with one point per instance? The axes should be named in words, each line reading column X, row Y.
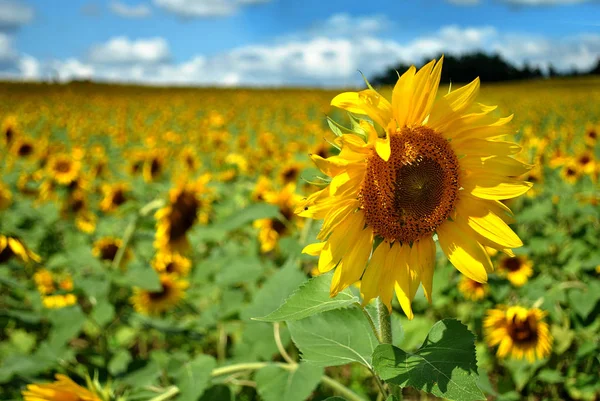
column 334, row 338
column 310, row 298
column 194, row 377
column 275, row 383
column 445, row 365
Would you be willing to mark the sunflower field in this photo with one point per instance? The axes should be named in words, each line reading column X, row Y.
column 159, row 244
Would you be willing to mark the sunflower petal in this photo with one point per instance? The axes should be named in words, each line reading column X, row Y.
column 399, row 261
column 402, row 96
column 496, row 187
column 374, row 282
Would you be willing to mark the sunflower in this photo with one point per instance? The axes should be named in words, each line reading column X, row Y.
column 189, row 158
column 270, row 230
column 171, row 263
column 63, row 389
column 55, row 293
column 289, row 173
column 114, row 195
column 516, row 269
column 171, row 293
column 85, row 221
column 11, row 246
column 591, row 136
column 63, row 169
column 585, row 161
column 154, row 165
column 519, row 332
column 24, row 148
column 5, row 197
column 472, row 290
column 571, row 172
column 106, row 249
column 188, row 203
column 263, row 186
column 9, row 129
column 416, row 168
column 44, row 281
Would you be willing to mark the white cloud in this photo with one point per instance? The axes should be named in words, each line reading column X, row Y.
column 122, row 50
column 343, row 24
column 13, row 14
column 204, row 8
column 130, row 11
column 7, row 53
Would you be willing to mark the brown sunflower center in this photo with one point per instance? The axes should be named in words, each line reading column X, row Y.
column 119, row 197
column 171, row 268
column 62, row 166
column 523, row 331
column 290, row 174
column 584, row 160
column 592, row 134
column 410, row 195
column 163, row 293
column 6, row 254
column 183, row 214
column 512, row 264
column 109, row 252
column 25, row 150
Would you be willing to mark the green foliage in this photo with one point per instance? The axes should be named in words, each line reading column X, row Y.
column 275, row 383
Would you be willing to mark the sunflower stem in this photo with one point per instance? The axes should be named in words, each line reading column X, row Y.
column 385, row 323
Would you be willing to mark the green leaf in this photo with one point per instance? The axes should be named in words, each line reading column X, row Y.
column 335, row 399
column 66, row 324
column 335, row 338
column 275, row 383
column 194, row 377
column 583, row 302
column 550, row 376
column 274, row 290
column 142, row 276
column 144, row 376
column 445, row 365
column 310, row 298
column 118, row 363
column 217, row 393
column 103, row 313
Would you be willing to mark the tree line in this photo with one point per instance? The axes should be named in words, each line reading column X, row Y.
column 488, row 67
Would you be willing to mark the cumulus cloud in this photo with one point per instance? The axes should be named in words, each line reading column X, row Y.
column 315, row 60
column 130, row 11
column 122, row 50
column 343, row 24
column 203, row 8
column 13, row 14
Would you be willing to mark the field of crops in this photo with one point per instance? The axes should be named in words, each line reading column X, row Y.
column 143, row 229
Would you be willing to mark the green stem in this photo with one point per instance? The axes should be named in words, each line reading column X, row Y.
column 171, row 392
column 341, row 389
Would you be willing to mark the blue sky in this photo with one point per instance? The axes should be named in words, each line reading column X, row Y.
column 281, row 42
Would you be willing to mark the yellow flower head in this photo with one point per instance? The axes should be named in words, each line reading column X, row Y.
column 114, row 195
column 172, row 263
column 9, row 129
column 11, row 246
column 106, row 249
column 172, row 291
column 416, row 167
column 63, row 389
column 472, row 290
column 571, row 172
column 517, row 269
column 63, row 168
column 5, row 197
column 519, row 332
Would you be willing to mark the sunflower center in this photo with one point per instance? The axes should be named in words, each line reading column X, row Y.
column 164, row 293
column 25, row 150
column 183, row 214
column 410, row 195
column 523, row 331
column 512, row 264
column 62, row 166
column 109, row 252
column 119, row 198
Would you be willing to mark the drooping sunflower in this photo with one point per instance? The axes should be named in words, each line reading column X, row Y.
column 63, row 389
column 271, row 230
column 171, row 263
column 517, row 269
column 114, row 195
column 156, row 302
column 63, row 168
column 472, row 290
column 519, row 332
column 188, row 203
column 12, row 246
column 415, row 168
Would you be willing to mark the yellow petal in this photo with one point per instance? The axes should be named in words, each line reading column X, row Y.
column 313, row 249
column 426, row 84
column 331, row 166
column 354, row 261
column 366, row 102
column 382, row 147
column 477, row 215
column 425, row 251
column 481, row 147
column 463, row 251
column 497, row 187
column 399, row 261
column 375, row 281
column 349, row 101
column 502, row 165
column 452, row 105
column 335, row 216
column 18, row 249
column 402, row 96
column 342, row 239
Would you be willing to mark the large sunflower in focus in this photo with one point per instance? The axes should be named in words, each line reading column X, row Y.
column 415, row 168
column 519, row 332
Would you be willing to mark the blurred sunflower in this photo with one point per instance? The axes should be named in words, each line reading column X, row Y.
column 519, row 332
column 106, row 249
column 9, row 129
column 263, row 185
column 270, row 230
column 171, row 263
column 24, row 148
column 63, row 389
column 472, row 290
column 63, row 168
column 570, row 172
column 426, row 167
column 516, row 269
column 289, row 173
column 55, row 293
column 11, row 246
column 189, row 158
column 171, row 293
column 585, row 162
column 154, row 165
column 5, row 197
column 591, row 136
column 188, row 203
column 114, row 195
